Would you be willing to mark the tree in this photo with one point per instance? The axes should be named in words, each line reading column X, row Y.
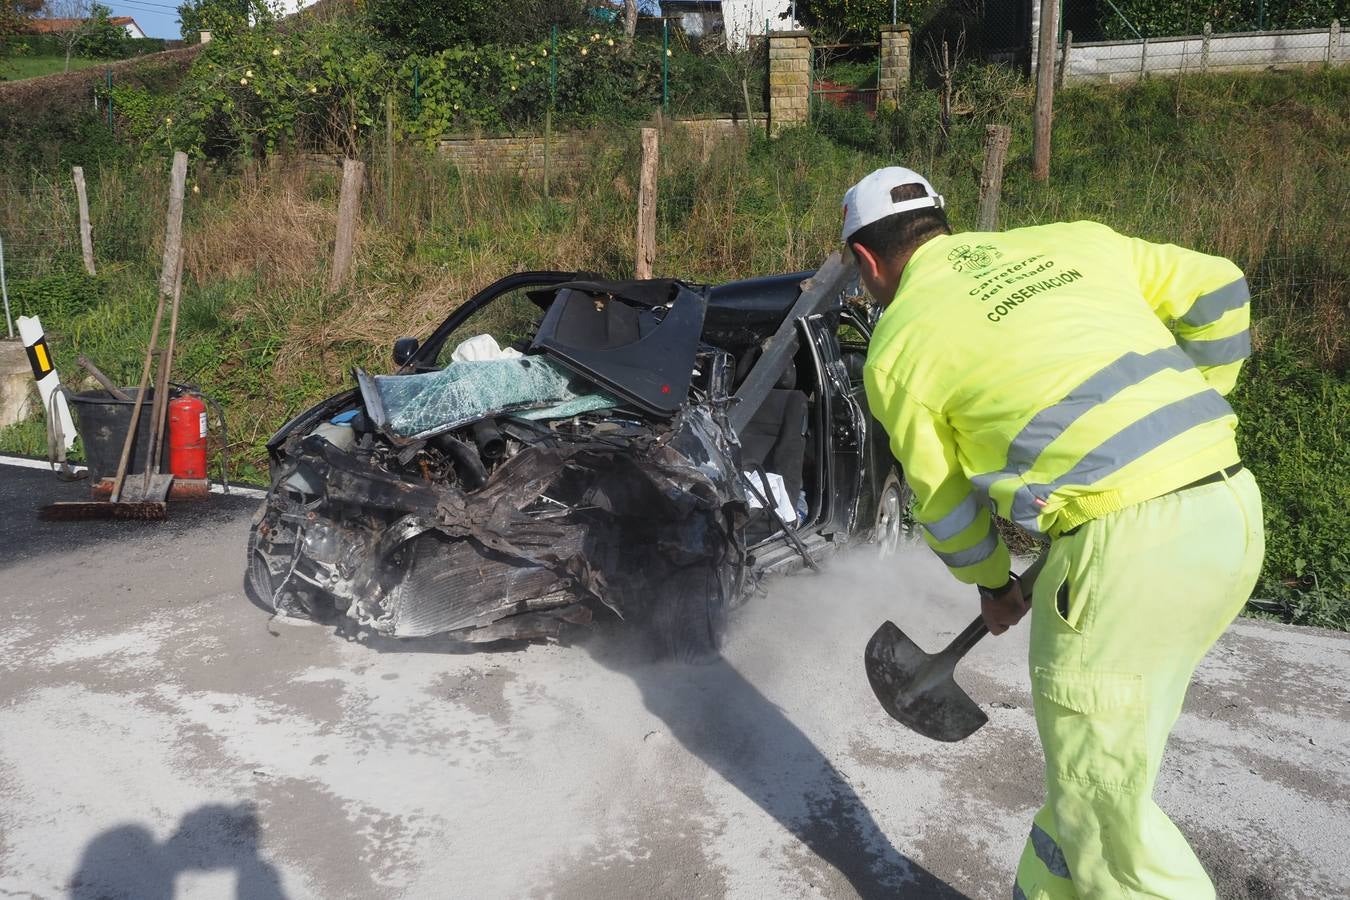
column 100, row 38
column 853, row 18
column 196, row 16
column 78, row 13
column 13, row 15
column 630, row 13
column 423, row 26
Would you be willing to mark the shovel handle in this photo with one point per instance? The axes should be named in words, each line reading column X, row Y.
column 976, row 630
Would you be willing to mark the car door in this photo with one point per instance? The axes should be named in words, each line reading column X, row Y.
column 845, row 429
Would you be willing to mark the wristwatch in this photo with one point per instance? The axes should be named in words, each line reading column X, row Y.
column 998, row 592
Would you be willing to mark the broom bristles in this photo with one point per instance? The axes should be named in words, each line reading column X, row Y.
column 76, row 511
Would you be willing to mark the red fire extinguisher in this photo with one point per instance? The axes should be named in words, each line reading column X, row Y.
column 187, row 437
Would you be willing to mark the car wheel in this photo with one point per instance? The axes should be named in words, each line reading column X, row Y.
column 258, row 585
column 895, row 525
column 688, row 620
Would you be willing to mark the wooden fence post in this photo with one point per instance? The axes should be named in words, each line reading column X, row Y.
column 646, row 223
column 349, row 205
column 86, row 231
column 996, row 139
column 1064, row 60
column 1045, row 91
column 388, row 159
column 173, row 227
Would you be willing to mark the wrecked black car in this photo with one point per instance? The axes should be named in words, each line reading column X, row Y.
column 563, row 447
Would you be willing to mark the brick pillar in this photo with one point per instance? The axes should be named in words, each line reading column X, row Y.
column 894, row 65
column 789, row 79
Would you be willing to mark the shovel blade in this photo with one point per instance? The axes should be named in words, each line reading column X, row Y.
column 917, row 688
column 134, row 489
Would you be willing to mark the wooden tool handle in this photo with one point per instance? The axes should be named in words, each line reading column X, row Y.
column 104, row 380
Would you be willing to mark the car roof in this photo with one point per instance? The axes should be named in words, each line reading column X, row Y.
column 746, row 311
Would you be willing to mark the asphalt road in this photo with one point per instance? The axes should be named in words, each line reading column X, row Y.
column 160, row 737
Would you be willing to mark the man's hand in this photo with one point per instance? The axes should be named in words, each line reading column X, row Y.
column 1002, row 609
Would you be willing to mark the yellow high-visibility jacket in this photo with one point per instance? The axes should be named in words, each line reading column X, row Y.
column 1038, row 369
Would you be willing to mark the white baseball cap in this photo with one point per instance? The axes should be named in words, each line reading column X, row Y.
column 870, row 199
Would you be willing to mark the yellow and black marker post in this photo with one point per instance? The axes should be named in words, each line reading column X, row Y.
column 44, row 370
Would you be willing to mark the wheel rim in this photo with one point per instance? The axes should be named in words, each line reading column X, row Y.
column 890, row 522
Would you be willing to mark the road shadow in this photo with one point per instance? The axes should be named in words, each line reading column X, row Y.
column 127, row 862
column 724, row 720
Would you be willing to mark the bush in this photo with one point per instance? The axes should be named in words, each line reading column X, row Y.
column 598, row 79
column 1294, row 420
column 426, row 26
column 856, row 18
column 253, row 89
column 52, row 45
column 101, row 39
column 57, row 297
column 1159, row 18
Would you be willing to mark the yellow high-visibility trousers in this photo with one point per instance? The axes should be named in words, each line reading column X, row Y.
column 1122, row 613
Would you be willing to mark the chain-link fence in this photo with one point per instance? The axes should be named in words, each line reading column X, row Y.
column 1121, row 39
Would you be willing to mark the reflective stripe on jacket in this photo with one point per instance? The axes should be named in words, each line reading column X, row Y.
column 1035, row 368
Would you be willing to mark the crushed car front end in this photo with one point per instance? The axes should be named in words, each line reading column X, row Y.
column 507, row 500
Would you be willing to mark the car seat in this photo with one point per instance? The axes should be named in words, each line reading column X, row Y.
column 775, row 438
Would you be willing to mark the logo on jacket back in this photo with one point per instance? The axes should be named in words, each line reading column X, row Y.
column 966, row 258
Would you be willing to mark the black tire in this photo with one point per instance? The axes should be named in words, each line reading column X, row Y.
column 258, row 586
column 689, row 614
column 895, row 526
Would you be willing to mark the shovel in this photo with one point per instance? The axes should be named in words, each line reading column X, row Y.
column 917, row 688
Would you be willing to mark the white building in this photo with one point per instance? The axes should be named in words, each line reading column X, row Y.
column 744, row 19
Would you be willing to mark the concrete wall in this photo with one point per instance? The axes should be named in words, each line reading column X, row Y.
column 1125, row 60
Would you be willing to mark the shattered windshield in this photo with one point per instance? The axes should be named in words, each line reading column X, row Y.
column 511, row 318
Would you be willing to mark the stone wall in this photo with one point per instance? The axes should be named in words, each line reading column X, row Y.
column 572, row 151
column 789, row 79
column 894, row 78
column 522, row 155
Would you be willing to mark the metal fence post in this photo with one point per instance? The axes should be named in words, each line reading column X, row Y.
column 108, row 83
column 417, row 91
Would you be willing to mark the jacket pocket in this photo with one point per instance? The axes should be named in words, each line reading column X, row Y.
column 1093, row 726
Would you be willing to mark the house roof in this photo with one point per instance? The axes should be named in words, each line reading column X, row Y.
column 60, row 26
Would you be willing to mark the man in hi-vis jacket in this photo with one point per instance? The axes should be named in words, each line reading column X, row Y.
column 1073, row 379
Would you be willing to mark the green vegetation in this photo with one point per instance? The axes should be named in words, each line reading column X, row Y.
column 16, row 67
column 1249, row 167
column 1156, row 18
column 428, row 26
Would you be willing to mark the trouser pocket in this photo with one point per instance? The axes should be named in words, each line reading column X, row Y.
column 1093, row 726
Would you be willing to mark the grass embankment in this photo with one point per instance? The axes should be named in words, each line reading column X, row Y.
column 17, row 67
column 1252, row 168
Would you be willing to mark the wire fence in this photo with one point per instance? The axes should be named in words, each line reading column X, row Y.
column 1121, row 39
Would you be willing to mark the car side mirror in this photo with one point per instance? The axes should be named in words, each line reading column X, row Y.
column 405, row 348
